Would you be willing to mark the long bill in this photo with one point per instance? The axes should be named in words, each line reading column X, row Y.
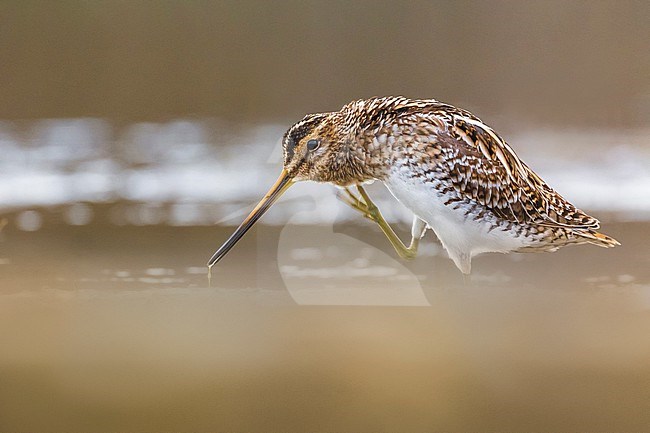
column 281, row 185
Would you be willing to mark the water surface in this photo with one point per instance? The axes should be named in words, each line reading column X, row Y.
column 110, row 328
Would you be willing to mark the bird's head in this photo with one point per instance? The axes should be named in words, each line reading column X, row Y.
column 319, row 148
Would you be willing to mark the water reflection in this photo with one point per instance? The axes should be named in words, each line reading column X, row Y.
column 29, row 220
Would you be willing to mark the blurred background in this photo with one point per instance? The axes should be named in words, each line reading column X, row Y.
column 134, row 135
column 185, row 102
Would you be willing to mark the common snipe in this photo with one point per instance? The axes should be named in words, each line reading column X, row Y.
column 455, row 173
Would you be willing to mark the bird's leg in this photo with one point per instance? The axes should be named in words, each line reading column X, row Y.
column 366, row 206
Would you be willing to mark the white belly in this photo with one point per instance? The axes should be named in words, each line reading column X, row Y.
column 462, row 236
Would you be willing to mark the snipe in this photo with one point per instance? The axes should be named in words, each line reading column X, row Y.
column 455, row 173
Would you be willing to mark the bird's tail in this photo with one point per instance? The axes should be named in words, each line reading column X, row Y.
column 595, row 238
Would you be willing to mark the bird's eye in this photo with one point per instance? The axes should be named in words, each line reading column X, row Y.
column 313, row 144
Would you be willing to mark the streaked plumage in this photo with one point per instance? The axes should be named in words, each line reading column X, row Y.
column 448, row 167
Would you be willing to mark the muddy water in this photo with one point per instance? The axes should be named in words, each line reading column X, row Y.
column 313, row 328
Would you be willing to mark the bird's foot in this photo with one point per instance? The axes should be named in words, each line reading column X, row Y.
column 362, row 204
column 368, row 209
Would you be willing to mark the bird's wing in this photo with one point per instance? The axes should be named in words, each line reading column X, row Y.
column 485, row 168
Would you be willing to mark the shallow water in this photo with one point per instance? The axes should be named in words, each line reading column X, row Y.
column 314, row 328
column 108, row 323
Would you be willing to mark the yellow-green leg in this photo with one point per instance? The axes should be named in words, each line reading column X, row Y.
column 366, row 206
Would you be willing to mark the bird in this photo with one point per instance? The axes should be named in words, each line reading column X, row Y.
column 456, row 175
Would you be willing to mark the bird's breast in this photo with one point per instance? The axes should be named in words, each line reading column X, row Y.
column 455, row 222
